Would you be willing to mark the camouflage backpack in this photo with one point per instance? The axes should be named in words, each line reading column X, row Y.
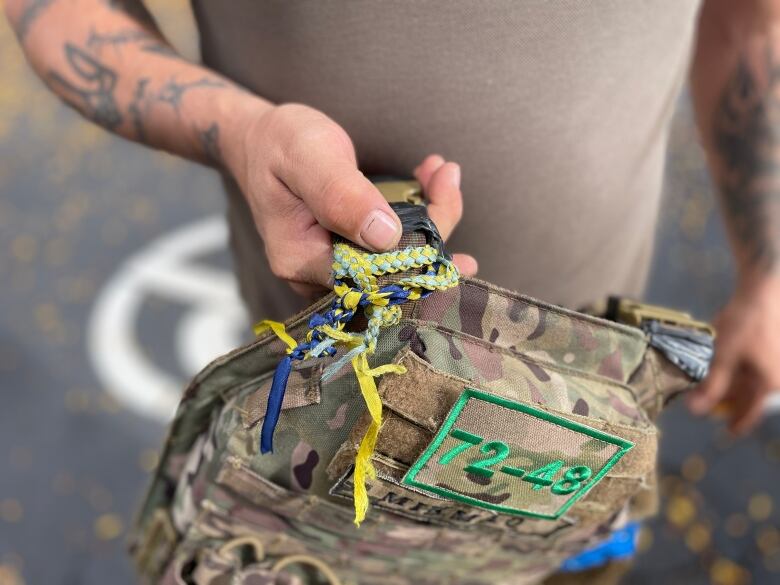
column 416, row 428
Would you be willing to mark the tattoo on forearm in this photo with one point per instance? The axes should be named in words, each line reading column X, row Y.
column 32, row 11
column 160, row 49
column 209, row 139
column 747, row 138
column 145, row 40
column 90, row 84
column 92, row 89
column 171, row 94
column 97, row 41
column 173, row 91
column 136, row 108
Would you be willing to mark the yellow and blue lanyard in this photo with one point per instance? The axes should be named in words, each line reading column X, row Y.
column 380, row 305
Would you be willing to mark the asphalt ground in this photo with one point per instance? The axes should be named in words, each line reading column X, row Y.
column 115, row 286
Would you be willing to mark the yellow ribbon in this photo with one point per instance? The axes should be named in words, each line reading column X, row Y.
column 363, row 466
column 279, row 330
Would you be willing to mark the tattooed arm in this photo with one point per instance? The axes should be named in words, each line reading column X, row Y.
column 108, row 60
column 296, row 167
column 736, row 87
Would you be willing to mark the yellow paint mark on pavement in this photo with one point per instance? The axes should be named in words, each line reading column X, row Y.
column 726, row 572
column 108, row 527
column 760, row 507
column 680, row 511
column 694, row 468
column 698, row 537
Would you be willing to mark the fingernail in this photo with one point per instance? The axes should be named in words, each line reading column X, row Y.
column 380, row 231
column 456, row 176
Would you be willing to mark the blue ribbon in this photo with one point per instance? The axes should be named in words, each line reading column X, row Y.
column 282, row 375
column 275, row 398
column 621, row 544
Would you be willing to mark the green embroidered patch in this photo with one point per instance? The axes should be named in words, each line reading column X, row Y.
column 513, row 458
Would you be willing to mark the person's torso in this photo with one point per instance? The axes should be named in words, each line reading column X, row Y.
column 556, row 110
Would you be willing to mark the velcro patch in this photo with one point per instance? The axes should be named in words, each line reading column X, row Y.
column 513, row 458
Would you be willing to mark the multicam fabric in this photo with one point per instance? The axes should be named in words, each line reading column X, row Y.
column 214, row 488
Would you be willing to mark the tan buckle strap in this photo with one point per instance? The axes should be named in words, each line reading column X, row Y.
column 401, row 191
column 635, row 313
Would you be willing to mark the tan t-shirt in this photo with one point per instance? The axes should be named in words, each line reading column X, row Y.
column 557, row 111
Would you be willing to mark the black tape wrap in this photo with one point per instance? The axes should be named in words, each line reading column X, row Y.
column 414, row 218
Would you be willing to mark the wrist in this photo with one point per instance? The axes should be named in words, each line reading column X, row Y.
column 236, row 115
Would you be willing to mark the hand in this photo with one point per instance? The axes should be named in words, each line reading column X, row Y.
column 298, row 171
column 746, row 368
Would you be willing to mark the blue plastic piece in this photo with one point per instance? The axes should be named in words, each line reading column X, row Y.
column 620, row 545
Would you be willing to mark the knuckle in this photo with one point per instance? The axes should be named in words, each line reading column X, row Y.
column 294, row 115
column 319, row 134
column 277, row 121
column 295, row 126
column 292, row 109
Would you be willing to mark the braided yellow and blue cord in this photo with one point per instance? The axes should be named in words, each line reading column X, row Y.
column 381, row 307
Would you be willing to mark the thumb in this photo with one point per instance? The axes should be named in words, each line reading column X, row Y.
column 340, row 197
